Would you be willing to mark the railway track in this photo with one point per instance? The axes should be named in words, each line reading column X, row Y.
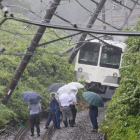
column 22, row 132
column 45, row 134
column 80, row 131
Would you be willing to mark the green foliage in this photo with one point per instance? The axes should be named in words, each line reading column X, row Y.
column 122, row 121
column 5, row 115
column 43, row 69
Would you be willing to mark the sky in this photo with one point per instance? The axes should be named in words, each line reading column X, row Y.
column 79, row 12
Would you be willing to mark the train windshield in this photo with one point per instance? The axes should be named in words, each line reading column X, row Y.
column 89, row 54
column 110, row 57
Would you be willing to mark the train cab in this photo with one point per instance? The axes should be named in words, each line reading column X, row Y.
column 99, row 64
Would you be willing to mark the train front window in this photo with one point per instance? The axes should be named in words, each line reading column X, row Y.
column 110, row 57
column 89, row 54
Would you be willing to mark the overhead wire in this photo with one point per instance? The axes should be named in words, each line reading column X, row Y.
column 43, row 51
column 34, row 53
column 23, row 9
column 58, row 36
column 55, row 53
column 123, row 33
column 83, row 6
column 122, row 8
column 21, row 34
column 27, row 10
column 58, row 39
column 40, row 13
column 51, row 21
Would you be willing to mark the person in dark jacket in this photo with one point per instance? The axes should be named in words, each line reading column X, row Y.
column 73, row 105
column 93, row 113
column 57, row 109
column 52, row 114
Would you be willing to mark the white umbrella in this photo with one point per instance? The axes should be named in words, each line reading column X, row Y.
column 66, row 89
column 77, row 84
column 73, row 90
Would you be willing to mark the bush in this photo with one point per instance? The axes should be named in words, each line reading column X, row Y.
column 5, row 115
column 122, row 120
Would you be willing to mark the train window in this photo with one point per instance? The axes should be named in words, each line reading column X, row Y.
column 110, row 57
column 89, row 54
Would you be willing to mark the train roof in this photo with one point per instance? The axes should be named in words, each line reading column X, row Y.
column 111, row 42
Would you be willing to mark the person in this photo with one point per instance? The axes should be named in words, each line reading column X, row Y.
column 64, row 104
column 52, row 114
column 57, row 109
column 93, row 113
column 34, row 108
column 73, row 105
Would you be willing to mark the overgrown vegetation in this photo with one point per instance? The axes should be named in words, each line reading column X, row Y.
column 43, row 69
column 122, row 121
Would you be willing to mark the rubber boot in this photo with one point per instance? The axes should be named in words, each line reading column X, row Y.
column 65, row 123
column 32, row 134
column 71, row 123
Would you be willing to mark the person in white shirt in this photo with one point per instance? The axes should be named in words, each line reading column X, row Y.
column 34, row 108
column 64, row 104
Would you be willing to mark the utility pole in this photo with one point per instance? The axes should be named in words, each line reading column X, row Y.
column 103, row 18
column 126, row 15
column 31, row 48
column 89, row 25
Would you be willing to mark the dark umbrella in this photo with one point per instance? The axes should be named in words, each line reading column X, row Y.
column 54, row 87
column 30, row 96
column 93, row 99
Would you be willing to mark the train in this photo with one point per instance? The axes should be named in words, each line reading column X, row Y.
column 98, row 62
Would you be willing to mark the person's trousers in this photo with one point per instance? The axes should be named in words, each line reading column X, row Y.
column 93, row 118
column 94, row 122
column 58, row 117
column 48, row 120
column 66, row 111
column 74, row 111
column 51, row 117
column 34, row 120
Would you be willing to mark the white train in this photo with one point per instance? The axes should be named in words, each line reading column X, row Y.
column 98, row 63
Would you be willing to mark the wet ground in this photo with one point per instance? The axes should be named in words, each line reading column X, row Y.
column 81, row 131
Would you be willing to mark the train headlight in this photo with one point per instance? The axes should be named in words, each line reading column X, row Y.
column 115, row 75
column 80, row 69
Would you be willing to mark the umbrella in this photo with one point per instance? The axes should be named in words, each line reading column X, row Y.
column 66, row 89
column 77, row 84
column 30, row 96
column 54, row 87
column 93, row 99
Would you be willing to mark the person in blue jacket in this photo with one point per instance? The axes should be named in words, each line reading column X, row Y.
column 93, row 113
column 52, row 112
column 57, row 109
